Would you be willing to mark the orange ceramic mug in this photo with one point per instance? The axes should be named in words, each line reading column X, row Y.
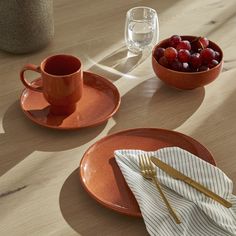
column 62, row 82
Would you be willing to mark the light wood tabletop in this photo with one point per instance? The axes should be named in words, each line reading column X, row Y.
column 40, row 192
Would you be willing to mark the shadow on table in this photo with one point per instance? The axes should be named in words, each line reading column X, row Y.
column 220, row 125
column 22, row 137
column 119, row 63
column 151, row 104
column 88, row 218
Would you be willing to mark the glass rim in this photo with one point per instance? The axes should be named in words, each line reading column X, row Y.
column 142, row 7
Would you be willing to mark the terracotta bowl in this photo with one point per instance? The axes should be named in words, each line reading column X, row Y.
column 186, row 80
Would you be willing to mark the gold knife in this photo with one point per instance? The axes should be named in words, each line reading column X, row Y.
column 178, row 175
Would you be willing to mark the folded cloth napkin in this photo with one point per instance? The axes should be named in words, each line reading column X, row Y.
column 199, row 214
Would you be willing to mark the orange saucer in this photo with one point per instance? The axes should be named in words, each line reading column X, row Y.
column 100, row 100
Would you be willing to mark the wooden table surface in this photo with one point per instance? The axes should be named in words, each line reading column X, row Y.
column 40, row 193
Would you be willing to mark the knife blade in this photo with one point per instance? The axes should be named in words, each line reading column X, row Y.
column 179, row 176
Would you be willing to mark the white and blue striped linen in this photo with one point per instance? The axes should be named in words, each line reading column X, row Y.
column 200, row 215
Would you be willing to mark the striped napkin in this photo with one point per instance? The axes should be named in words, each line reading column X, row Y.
column 200, row 215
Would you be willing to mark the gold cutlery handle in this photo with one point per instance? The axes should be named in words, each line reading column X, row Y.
column 180, row 176
column 171, row 210
column 207, row 192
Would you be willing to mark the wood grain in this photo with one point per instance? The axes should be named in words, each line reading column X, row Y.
column 40, row 192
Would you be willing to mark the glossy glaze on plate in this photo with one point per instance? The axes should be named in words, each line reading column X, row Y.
column 101, row 176
column 100, row 100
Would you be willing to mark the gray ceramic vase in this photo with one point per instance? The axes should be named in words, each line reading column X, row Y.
column 25, row 25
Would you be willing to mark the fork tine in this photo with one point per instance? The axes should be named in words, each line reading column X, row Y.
column 145, row 165
column 141, row 166
column 148, row 165
column 153, row 168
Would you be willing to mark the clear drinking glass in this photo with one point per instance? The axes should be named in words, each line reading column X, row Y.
column 141, row 29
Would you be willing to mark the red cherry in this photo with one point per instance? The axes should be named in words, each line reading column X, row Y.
column 204, row 42
column 195, row 60
column 207, row 55
column 176, row 65
column 194, row 46
column 213, row 63
column 184, row 55
column 185, row 44
column 163, row 61
column 159, row 53
column 170, row 54
column 174, row 40
column 217, row 56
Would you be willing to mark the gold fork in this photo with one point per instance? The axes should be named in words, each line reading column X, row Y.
column 149, row 172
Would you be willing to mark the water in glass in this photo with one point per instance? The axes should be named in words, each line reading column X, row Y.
column 140, row 33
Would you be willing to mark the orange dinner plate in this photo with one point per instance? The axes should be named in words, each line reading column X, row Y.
column 101, row 176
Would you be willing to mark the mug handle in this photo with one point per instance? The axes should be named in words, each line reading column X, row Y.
column 25, row 82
